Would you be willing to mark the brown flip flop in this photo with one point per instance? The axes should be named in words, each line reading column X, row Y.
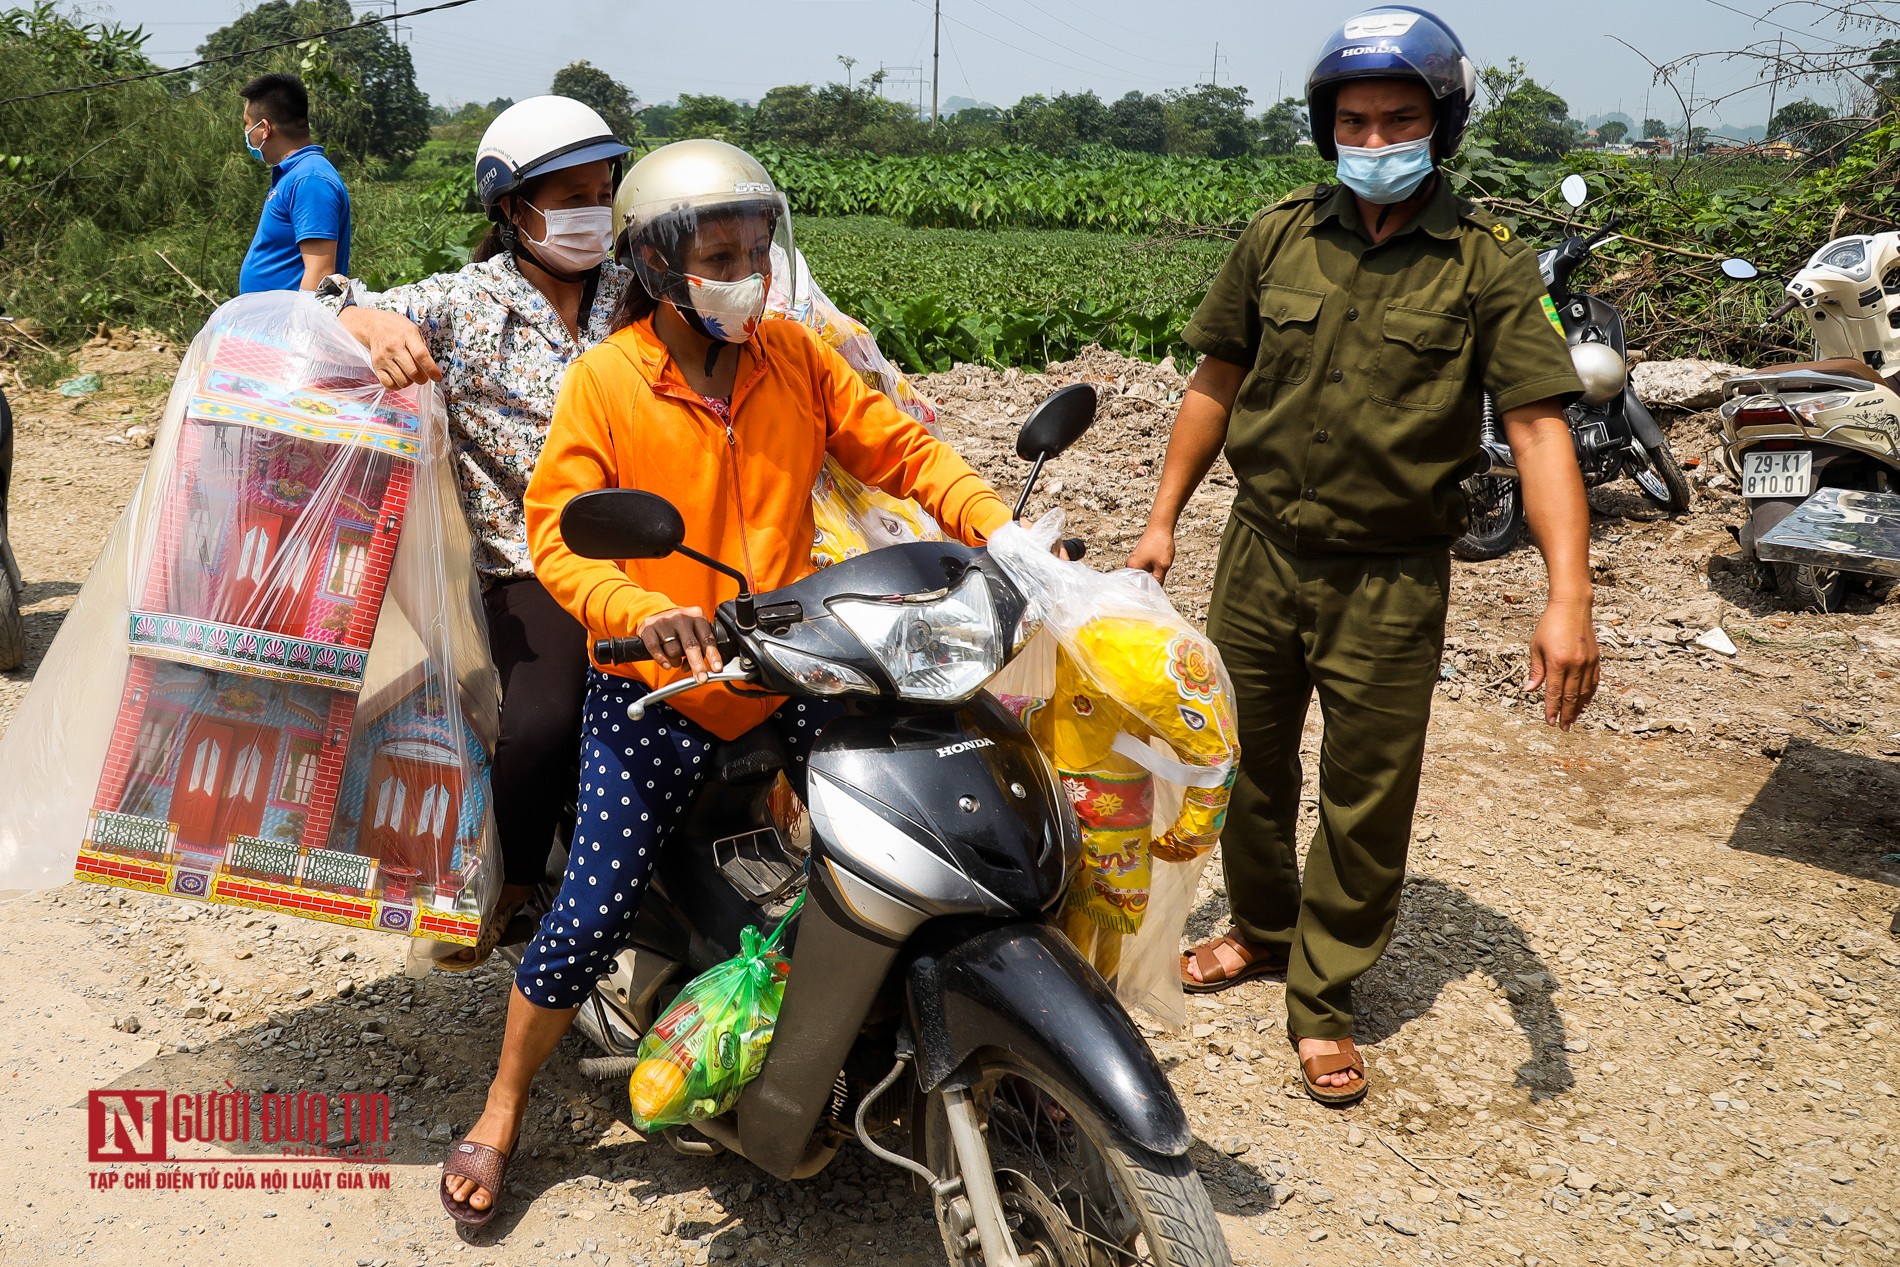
column 1313, row 1068
column 1243, row 962
column 487, row 1166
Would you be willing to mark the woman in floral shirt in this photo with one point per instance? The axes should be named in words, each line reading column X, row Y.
column 499, row 335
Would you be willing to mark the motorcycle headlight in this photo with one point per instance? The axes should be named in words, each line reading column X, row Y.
column 938, row 650
column 818, row 675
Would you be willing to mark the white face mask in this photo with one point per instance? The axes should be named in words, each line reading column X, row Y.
column 576, row 238
column 730, row 311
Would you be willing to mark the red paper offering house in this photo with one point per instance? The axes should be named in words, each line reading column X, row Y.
column 239, row 770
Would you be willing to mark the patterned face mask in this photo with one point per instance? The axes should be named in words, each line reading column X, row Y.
column 728, row 311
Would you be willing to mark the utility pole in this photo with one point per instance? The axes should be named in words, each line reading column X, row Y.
column 1215, row 80
column 936, row 52
column 1768, row 133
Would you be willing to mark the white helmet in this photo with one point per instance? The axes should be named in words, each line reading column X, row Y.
column 537, row 136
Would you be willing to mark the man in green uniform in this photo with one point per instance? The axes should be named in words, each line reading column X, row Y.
column 1348, row 341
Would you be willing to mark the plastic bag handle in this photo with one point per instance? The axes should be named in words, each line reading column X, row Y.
column 771, row 943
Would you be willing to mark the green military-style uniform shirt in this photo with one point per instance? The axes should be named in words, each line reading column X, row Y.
column 1362, row 409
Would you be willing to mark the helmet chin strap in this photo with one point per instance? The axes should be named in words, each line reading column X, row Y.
column 697, row 324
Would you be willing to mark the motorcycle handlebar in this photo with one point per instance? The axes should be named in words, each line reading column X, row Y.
column 633, row 650
column 1596, row 239
column 1787, row 306
column 620, row 651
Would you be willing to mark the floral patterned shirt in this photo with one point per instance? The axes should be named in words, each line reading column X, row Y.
column 502, row 350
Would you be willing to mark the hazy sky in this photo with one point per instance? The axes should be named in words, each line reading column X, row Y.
column 999, row 50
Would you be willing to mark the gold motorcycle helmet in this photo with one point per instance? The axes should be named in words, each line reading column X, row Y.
column 693, row 208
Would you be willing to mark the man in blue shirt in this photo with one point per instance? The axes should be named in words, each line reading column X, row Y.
column 304, row 234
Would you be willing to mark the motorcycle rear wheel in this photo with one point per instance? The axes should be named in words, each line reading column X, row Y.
column 1810, row 589
column 1662, row 480
column 1074, row 1190
column 12, row 624
column 1497, row 518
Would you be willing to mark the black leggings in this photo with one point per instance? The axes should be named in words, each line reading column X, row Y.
column 541, row 652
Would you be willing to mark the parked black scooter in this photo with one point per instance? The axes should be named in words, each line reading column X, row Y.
column 1614, row 432
column 930, row 1001
column 12, row 626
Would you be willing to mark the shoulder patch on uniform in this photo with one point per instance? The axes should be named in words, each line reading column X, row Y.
column 1550, row 310
column 1300, row 197
column 1501, row 232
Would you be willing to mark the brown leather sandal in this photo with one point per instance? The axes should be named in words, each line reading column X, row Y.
column 1242, row 961
column 1313, row 1068
column 487, row 1166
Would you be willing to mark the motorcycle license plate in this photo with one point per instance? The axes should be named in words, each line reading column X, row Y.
column 1777, row 473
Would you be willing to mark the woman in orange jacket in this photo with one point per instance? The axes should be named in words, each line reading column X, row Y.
column 694, row 398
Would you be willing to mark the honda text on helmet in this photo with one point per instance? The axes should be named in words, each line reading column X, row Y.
column 1392, row 42
column 701, row 224
column 531, row 139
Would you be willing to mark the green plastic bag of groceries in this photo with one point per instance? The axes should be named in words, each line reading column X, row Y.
column 697, row 1058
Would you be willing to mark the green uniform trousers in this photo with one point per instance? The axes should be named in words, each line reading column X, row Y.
column 1367, row 632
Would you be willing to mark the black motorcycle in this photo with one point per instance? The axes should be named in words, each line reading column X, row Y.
column 932, row 1010
column 1614, row 432
column 12, row 626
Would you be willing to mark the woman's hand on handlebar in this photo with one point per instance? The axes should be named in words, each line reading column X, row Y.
column 397, row 351
column 682, row 637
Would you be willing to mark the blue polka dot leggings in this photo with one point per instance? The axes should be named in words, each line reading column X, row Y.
column 638, row 780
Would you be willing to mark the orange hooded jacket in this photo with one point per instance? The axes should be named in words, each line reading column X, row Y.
column 625, row 418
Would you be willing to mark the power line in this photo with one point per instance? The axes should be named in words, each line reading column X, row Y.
column 1120, row 70
column 1762, row 19
column 231, row 57
column 1115, row 48
column 997, row 39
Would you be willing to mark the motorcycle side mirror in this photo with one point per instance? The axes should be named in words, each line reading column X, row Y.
column 622, row 523
column 1575, row 190
column 1739, row 270
column 1058, row 422
column 626, row 523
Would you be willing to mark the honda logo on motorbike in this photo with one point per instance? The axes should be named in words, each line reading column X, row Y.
column 966, row 746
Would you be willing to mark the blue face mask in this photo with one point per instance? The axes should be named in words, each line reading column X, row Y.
column 255, row 152
column 1386, row 175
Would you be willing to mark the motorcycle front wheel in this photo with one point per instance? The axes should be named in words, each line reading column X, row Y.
column 1075, row 1192
column 1661, row 479
column 1497, row 518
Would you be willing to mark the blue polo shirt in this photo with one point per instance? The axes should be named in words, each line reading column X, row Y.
column 306, row 200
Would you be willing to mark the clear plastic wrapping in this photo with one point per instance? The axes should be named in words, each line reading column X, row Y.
column 274, row 690
column 852, row 517
column 1136, row 713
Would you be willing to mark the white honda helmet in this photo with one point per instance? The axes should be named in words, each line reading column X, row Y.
column 537, row 136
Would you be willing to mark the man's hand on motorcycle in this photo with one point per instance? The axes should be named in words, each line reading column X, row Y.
column 1154, row 553
column 679, row 637
column 1564, row 661
column 397, row 351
